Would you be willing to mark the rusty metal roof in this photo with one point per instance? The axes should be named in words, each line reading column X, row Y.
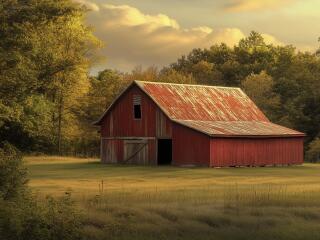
column 239, row 128
column 202, row 103
column 215, row 111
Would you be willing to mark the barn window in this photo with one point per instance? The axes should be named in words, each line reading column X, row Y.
column 137, row 106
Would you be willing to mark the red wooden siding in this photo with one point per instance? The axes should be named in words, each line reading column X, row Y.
column 119, row 127
column 189, row 147
column 255, row 151
column 119, row 122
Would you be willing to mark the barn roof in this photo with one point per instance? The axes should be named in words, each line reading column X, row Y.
column 202, row 103
column 238, row 128
column 215, row 111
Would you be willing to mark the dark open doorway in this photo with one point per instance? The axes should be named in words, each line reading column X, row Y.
column 164, row 151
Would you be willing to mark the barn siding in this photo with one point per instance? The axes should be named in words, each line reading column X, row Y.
column 112, row 150
column 118, row 151
column 189, row 147
column 255, row 151
column 120, row 123
column 163, row 126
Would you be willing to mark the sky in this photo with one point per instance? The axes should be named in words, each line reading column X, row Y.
column 157, row 32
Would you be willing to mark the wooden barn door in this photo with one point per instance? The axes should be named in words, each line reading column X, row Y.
column 136, row 152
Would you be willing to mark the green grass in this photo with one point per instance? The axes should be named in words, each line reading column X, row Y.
column 135, row 202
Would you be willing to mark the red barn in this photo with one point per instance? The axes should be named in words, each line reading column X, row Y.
column 163, row 123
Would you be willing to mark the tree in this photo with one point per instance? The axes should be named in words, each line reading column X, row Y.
column 45, row 53
column 149, row 74
column 318, row 51
column 173, row 76
column 313, row 154
column 206, row 73
column 103, row 90
column 259, row 88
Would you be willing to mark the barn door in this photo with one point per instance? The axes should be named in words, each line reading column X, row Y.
column 164, row 151
column 136, row 151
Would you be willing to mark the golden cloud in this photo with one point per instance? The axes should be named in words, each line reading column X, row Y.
column 135, row 38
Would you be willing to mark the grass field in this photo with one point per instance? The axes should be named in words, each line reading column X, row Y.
column 133, row 202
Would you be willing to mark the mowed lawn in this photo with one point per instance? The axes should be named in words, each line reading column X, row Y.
column 137, row 202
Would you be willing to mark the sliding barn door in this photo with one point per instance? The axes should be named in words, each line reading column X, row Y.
column 136, row 152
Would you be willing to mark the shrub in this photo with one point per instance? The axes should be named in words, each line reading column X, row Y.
column 313, row 154
column 24, row 217
column 13, row 176
column 50, row 219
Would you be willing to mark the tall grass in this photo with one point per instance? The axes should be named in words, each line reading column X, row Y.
column 121, row 202
column 232, row 194
column 232, row 212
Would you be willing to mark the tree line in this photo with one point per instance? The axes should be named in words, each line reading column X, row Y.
column 48, row 100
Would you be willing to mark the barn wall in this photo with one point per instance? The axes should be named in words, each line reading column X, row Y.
column 111, row 150
column 122, row 151
column 120, row 122
column 189, row 147
column 163, row 125
column 256, row 152
column 119, row 130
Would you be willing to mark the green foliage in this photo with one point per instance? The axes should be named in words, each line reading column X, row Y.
column 12, row 173
column 45, row 53
column 48, row 219
column 313, row 154
column 24, row 217
column 28, row 124
column 103, row 89
column 174, row 76
column 152, row 74
column 259, row 87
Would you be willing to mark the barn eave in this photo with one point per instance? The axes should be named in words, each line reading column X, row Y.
column 291, row 133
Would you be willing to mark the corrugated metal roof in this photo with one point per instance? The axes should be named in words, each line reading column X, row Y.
column 240, row 128
column 203, row 103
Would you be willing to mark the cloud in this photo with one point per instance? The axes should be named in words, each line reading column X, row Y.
column 135, row 38
column 90, row 5
column 250, row 5
column 271, row 39
column 125, row 15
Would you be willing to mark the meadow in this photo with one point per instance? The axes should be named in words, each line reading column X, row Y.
column 146, row 202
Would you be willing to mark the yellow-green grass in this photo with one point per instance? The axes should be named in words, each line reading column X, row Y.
column 138, row 202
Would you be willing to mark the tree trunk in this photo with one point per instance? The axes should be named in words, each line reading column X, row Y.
column 60, row 113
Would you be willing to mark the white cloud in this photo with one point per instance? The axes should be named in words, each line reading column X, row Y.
column 135, row 38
